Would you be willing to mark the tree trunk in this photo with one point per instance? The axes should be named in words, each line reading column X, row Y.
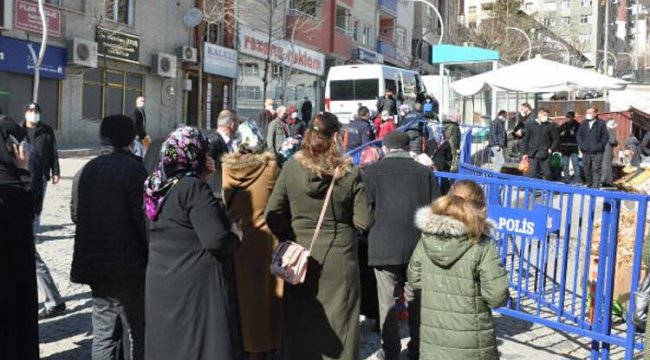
column 41, row 54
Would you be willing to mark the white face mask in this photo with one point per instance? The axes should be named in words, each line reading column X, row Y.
column 589, row 117
column 33, row 118
column 543, row 118
column 522, row 113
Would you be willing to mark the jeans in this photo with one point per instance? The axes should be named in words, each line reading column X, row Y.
column 389, row 278
column 118, row 309
column 566, row 161
column 43, row 276
column 498, row 158
column 593, row 163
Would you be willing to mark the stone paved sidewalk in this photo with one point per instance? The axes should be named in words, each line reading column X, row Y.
column 69, row 337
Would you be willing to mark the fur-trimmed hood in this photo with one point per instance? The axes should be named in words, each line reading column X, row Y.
column 241, row 170
column 444, row 239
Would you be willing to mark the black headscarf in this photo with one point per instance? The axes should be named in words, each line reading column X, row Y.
column 9, row 173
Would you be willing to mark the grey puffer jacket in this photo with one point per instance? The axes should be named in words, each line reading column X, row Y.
column 460, row 281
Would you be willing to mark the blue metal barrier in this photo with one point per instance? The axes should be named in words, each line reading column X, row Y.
column 544, row 233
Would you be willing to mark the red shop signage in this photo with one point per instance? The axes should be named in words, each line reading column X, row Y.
column 27, row 18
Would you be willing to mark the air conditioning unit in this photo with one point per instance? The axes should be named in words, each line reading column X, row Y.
column 188, row 54
column 164, row 65
column 82, row 52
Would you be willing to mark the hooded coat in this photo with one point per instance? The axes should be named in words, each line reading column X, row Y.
column 460, row 280
column 321, row 316
column 247, row 184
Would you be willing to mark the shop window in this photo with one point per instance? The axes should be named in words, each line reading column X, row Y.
column 110, row 92
column 120, row 11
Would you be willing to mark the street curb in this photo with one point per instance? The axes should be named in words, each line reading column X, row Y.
column 84, row 152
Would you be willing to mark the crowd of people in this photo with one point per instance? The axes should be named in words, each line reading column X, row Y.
column 176, row 246
column 553, row 152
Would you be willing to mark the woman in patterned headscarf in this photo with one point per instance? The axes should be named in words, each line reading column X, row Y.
column 191, row 304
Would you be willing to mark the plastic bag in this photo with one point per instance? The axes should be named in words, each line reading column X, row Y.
column 556, row 160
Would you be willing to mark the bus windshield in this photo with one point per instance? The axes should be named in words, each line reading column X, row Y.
column 350, row 90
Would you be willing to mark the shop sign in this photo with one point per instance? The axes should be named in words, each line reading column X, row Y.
column 28, row 18
column 367, row 56
column 535, row 223
column 219, row 60
column 17, row 56
column 118, row 45
column 256, row 44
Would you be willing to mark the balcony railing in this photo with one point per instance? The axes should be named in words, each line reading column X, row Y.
column 388, row 5
column 343, row 32
column 387, row 49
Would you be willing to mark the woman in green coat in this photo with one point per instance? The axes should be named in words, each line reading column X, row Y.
column 459, row 272
column 321, row 316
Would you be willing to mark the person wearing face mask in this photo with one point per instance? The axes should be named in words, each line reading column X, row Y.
column 498, row 140
column 526, row 113
column 540, row 140
column 41, row 138
column 592, row 138
column 222, row 141
column 142, row 140
column 569, row 148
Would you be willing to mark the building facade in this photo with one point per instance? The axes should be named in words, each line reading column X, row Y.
column 100, row 57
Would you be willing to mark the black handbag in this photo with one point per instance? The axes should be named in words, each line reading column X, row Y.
column 641, row 300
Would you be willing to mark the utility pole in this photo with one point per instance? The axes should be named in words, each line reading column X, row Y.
column 636, row 39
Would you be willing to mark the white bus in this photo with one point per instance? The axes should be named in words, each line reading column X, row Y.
column 351, row 86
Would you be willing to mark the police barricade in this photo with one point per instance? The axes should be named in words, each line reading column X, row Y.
column 474, row 149
column 564, row 248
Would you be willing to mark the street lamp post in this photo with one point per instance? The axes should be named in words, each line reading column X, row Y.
column 435, row 9
column 568, row 53
column 530, row 43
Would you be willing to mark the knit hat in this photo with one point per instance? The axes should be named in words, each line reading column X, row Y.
column 397, row 140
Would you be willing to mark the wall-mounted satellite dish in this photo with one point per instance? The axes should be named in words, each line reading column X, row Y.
column 193, row 17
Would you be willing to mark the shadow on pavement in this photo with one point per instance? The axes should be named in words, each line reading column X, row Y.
column 65, row 326
column 82, row 351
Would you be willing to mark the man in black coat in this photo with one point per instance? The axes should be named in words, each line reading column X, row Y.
column 222, row 141
column 397, row 186
column 140, row 119
column 540, row 140
column 498, row 140
column 45, row 156
column 569, row 148
column 592, row 138
column 110, row 246
column 387, row 103
column 305, row 110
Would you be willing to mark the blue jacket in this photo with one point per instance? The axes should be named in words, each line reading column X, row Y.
column 593, row 141
column 359, row 132
column 498, row 133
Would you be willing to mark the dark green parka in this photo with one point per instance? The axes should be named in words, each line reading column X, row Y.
column 460, row 280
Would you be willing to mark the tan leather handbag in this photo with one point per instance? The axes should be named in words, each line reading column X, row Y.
column 289, row 259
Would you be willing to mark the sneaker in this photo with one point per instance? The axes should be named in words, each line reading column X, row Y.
column 47, row 313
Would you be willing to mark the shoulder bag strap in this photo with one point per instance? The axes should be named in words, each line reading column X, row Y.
column 322, row 213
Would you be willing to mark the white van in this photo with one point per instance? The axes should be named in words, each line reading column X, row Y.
column 351, row 86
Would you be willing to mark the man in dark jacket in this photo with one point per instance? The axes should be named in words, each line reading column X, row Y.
column 359, row 132
column 140, row 119
column 453, row 135
column 222, row 141
column 110, row 247
column 387, row 103
column 592, row 138
column 305, row 110
column 498, row 140
column 416, row 128
column 397, row 186
column 569, row 148
column 540, row 140
column 526, row 113
column 41, row 137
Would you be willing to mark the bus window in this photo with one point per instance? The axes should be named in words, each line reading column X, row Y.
column 366, row 89
column 342, row 90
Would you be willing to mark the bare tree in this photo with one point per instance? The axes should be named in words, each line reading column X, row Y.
column 41, row 54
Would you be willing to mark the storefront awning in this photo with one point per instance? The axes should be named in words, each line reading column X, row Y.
column 453, row 54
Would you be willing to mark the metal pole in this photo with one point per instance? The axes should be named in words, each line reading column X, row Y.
column 530, row 43
column 606, row 67
column 41, row 53
column 494, row 96
column 636, row 40
column 435, row 9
